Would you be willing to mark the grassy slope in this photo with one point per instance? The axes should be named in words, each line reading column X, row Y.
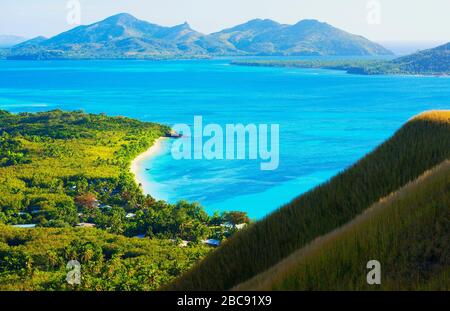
column 408, row 232
column 421, row 144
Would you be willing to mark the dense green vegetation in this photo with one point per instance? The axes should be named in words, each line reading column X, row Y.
column 36, row 259
column 11, row 151
column 48, row 159
column 408, row 232
column 421, row 144
column 429, row 62
column 66, row 169
column 58, row 169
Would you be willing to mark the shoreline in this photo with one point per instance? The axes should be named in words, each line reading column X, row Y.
column 138, row 170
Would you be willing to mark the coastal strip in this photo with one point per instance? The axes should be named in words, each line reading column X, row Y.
column 138, row 169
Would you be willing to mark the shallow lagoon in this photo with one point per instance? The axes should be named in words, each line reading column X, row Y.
column 328, row 119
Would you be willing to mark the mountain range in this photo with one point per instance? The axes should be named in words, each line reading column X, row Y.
column 124, row 36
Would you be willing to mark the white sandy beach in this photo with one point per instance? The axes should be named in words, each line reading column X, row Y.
column 137, row 165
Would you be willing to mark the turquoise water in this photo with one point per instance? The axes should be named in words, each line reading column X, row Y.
column 328, row 119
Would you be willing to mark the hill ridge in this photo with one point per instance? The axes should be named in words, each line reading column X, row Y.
column 124, row 36
column 282, row 270
column 418, row 146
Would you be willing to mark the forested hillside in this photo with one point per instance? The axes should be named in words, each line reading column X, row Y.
column 60, row 171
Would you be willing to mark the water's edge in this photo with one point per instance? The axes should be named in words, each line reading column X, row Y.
column 138, row 167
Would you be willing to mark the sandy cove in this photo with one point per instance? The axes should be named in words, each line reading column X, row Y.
column 137, row 165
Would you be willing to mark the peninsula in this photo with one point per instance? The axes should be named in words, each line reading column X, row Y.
column 435, row 62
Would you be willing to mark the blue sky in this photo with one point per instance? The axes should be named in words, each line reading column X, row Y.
column 400, row 20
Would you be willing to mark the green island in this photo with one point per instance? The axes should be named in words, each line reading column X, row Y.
column 66, row 192
column 429, row 62
column 392, row 206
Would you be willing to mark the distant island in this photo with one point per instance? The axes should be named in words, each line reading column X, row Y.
column 434, row 61
column 123, row 36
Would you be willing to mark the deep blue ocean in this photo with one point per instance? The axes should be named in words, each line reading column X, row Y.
column 328, row 119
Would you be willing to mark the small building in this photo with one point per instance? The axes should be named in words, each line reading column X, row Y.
column 227, row 225
column 85, row 225
column 212, row 242
column 174, row 134
column 241, row 226
column 140, row 236
column 130, row 215
column 232, row 226
column 25, row 226
column 182, row 243
column 104, row 206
